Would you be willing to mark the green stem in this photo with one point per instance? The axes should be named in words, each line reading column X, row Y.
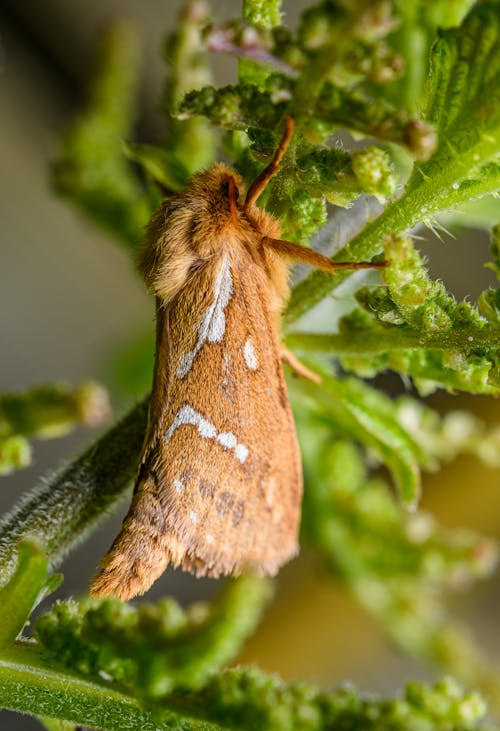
column 61, row 511
column 191, row 142
column 265, row 15
column 309, row 86
column 381, row 340
column 414, row 42
column 239, row 699
column 311, row 82
column 29, row 684
column 91, row 169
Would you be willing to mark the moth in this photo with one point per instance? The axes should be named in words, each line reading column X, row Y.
column 219, row 484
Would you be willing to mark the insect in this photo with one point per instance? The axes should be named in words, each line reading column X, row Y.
column 219, row 484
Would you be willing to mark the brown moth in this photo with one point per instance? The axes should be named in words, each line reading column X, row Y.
column 219, row 485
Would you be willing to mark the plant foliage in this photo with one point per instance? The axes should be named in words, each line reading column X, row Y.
column 418, row 85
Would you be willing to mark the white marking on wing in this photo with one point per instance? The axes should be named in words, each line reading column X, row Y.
column 249, row 355
column 241, row 452
column 212, row 325
column 179, row 486
column 207, row 430
column 227, row 439
column 185, row 364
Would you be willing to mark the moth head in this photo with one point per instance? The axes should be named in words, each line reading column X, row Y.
column 217, row 191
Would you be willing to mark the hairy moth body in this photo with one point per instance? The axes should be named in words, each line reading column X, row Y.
column 219, row 484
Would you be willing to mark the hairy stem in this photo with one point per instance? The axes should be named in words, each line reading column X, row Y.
column 63, row 509
column 395, row 338
column 30, row 684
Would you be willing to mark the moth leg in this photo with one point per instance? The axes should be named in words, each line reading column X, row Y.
column 299, row 368
column 296, row 252
column 259, row 184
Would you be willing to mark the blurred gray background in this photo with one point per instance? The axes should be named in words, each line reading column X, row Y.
column 70, row 299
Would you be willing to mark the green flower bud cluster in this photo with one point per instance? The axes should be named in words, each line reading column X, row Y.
column 341, row 176
column 443, row 438
column 153, row 648
column 422, row 303
column 399, row 566
column 262, row 13
column 415, row 327
column 249, row 699
column 63, row 633
column 46, row 412
column 375, row 117
column 236, row 107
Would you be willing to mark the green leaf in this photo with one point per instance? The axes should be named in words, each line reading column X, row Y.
column 398, row 565
column 368, row 416
column 159, row 164
column 31, row 684
column 19, row 595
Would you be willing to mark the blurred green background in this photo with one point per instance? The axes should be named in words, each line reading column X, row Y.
column 71, row 303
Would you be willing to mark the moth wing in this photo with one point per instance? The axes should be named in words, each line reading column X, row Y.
column 220, row 486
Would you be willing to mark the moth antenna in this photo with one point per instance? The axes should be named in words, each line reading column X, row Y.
column 260, row 183
column 232, row 200
column 296, row 252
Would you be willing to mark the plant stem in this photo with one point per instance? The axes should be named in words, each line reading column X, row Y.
column 381, row 340
column 65, row 508
column 29, row 684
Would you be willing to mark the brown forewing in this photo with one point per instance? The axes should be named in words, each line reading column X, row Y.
column 220, row 482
